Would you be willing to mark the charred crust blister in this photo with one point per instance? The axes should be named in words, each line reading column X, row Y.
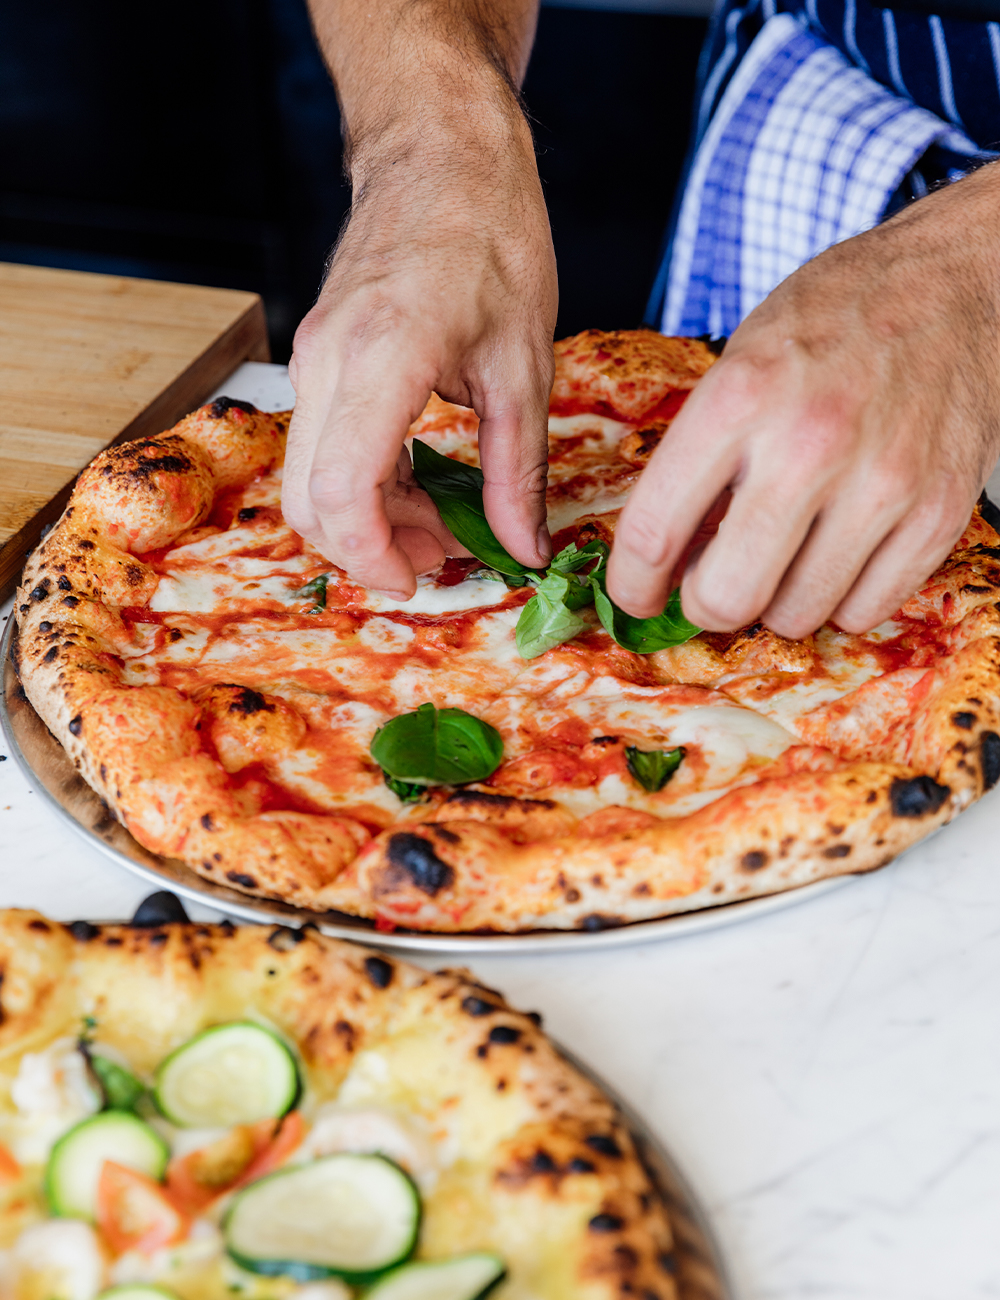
column 473, row 1006
column 606, row 1223
column 504, row 1034
column 412, row 860
column 379, row 971
column 754, row 860
column 989, row 758
column 916, row 796
column 604, row 1144
column 242, row 878
column 83, row 931
column 285, row 939
column 222, row 405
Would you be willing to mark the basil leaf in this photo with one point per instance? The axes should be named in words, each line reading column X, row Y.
column 406, row 791
column 317, row 589
column 571, row 558
column 437, row 747
column 642, row 635
column 549, row 618
column 653, row 768
column 457, row 491
column 122, row 1090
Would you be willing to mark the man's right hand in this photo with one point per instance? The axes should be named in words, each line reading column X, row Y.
column 444, row 280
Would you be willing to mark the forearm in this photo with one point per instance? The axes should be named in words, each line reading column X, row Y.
column 412, row 75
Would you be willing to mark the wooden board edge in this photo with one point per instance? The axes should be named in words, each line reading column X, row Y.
column 244, row 340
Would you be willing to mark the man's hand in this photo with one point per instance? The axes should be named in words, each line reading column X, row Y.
column 444, row 280
column 855, row 415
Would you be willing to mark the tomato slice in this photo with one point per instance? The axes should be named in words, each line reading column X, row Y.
column 245, row 1154
column 134, row 1213
column 10, row 1170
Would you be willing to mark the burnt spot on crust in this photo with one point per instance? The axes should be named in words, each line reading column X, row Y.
column 248, row 702
column 50, row 655
column 916, row 796
column 504, row 1034
column 284, row 939
column 598, row 921
column 443, row 833
column 412, row 858
column 159, row 908
column 604, row 1144
column 473, row 1006
column 754, row 860
column 223, row 404
column 246, row 514
column 837, row 851
column 483, row 799
column 379, row 971
column 206, row 821
column 346, row 1032
column 70, row 602
column 83, row 931
column 989, row 758
column 966, row 721
column 144, row 459
column 41, row 591
column 64, row 584
column 44, row 625
column 542, row 1163
column 42, row 926
column 75, row 725
column 606, row 1223
column 578, row 1165
column 667, row 1260
column 242, row 878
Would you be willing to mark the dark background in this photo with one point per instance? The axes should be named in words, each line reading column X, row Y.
column 199, row 141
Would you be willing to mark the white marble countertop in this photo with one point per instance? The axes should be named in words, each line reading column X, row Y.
column 828, row 1076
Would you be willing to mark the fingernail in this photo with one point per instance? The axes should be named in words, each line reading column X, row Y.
column 544, row 542
column 393, row 595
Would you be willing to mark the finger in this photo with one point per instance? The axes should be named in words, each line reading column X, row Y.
column 354, row 444
column 420, row 547
column 696, row 461
column 844, row 536
column 514, row 452
column 407, row 504
column 905, row 560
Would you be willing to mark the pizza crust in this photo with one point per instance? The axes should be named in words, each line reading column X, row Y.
column 169, row 764
column 542, row 1157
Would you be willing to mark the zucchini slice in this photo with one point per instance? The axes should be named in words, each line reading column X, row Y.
column 464, row 1277
column 232, row 1074
column 75, row 1163
column 348, row 1216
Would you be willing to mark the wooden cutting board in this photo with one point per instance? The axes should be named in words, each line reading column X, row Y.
column 88, row 360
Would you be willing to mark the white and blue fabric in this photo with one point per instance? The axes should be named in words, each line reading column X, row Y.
column 803, row 149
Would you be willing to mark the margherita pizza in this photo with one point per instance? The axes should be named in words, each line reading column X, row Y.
column 196, row 1112
column 507, row 750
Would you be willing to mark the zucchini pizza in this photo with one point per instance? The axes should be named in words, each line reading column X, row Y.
column 202, row 1111
column 507, row 750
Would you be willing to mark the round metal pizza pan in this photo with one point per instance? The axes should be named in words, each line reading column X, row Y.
column 70, row 798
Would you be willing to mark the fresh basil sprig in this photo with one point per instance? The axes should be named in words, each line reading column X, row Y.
column 457, row 491
column 550, row 617
column 643, row 635
column 653, row 768
column 317, row 589
column 437, row 747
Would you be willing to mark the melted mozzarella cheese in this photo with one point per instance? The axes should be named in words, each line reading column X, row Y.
column 430, row 598
column 57, row 1260
column 606, row 432
column 52, row 1092
column 370, row 1130
column 203, row 591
